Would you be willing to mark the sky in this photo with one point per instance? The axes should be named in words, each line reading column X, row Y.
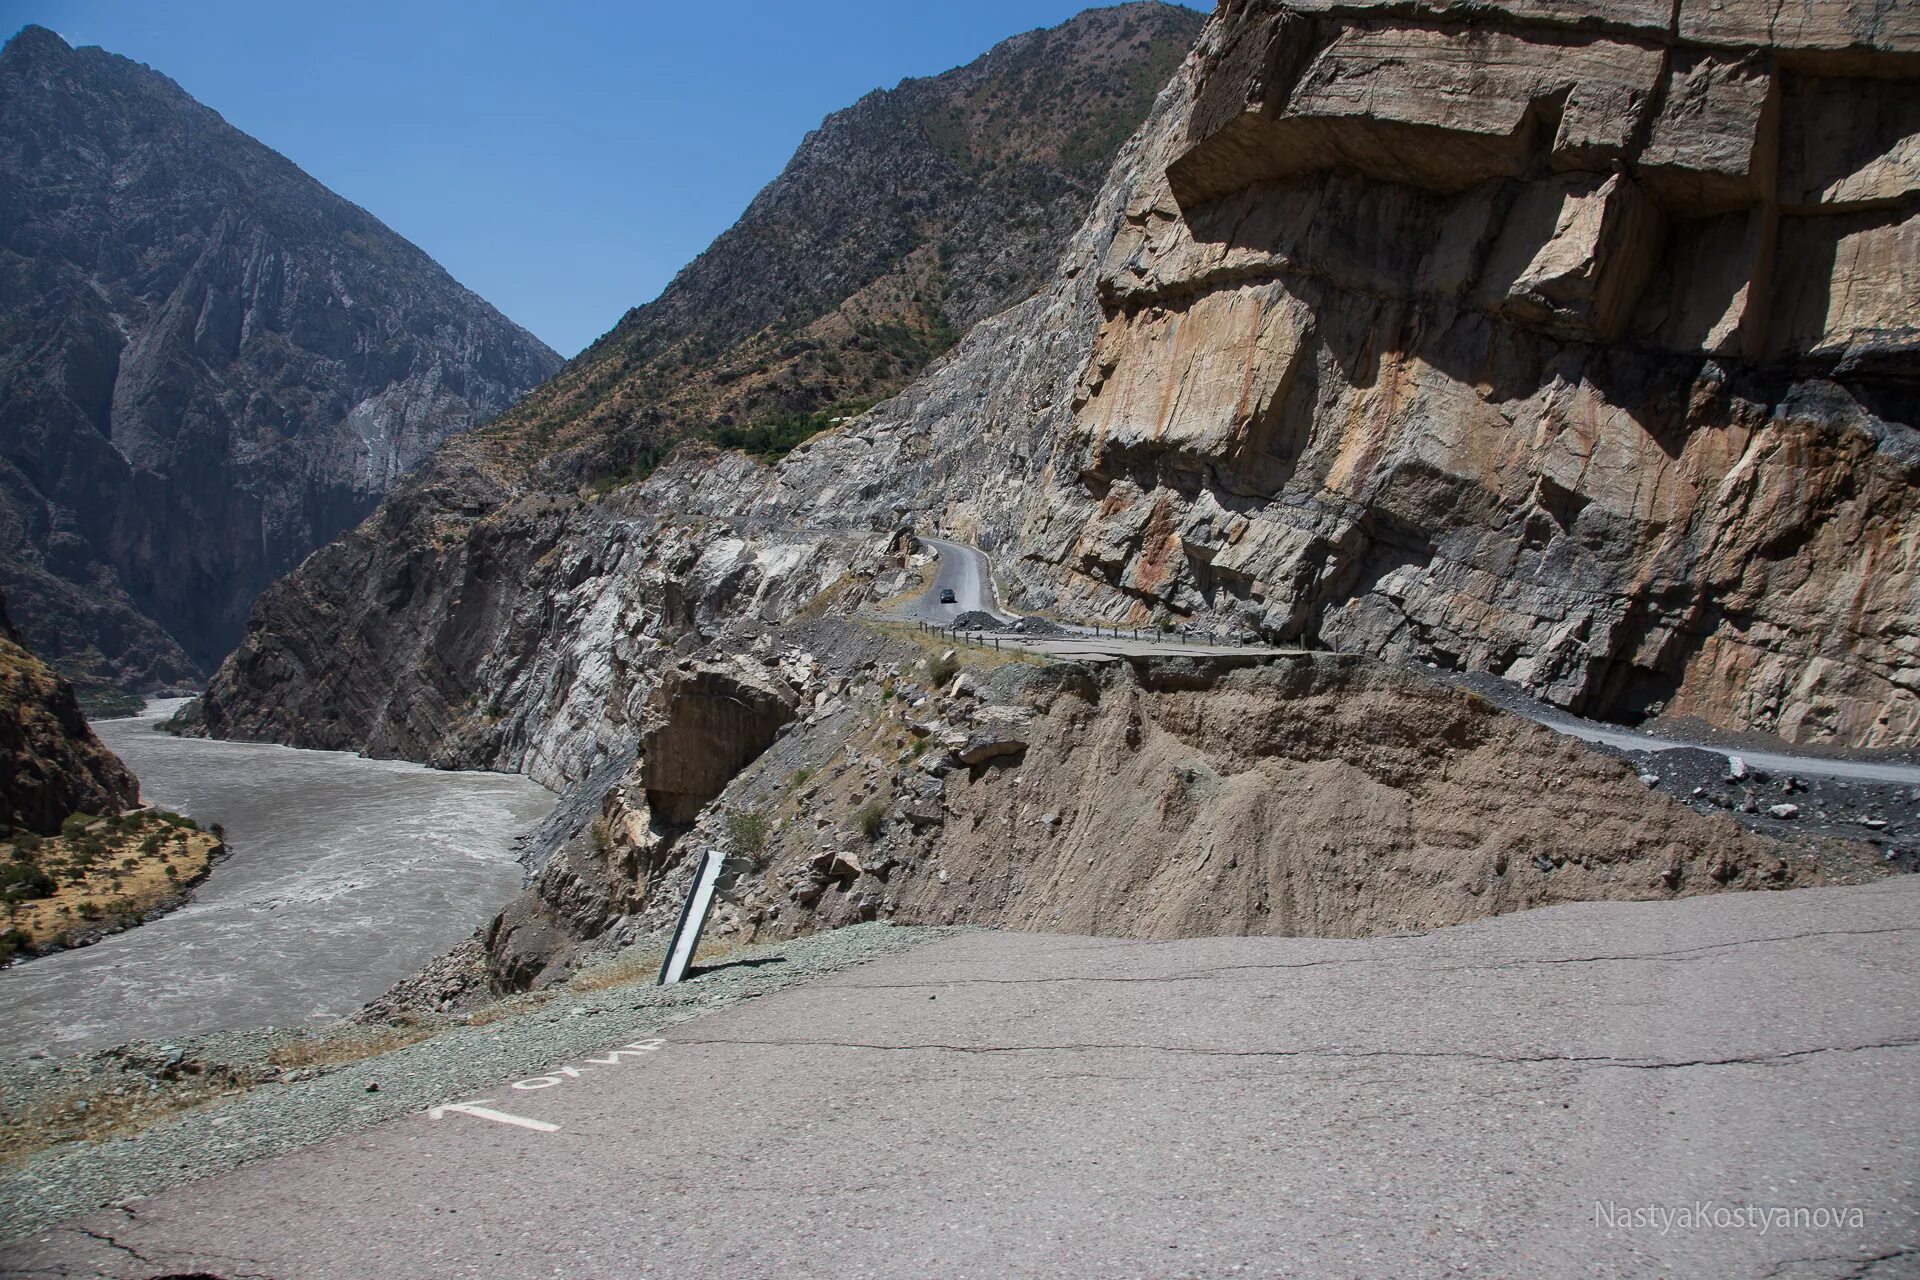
column 562, row 160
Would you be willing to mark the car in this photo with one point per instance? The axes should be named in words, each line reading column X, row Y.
column 946, row 596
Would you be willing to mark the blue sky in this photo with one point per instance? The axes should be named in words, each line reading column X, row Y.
column 562, row 160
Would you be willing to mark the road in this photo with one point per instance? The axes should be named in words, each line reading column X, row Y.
column 1772, row 761
column 964, row 571
column 967, row 572
column 1541, row 1094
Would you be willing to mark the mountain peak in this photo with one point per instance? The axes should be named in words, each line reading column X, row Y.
column 32, row 42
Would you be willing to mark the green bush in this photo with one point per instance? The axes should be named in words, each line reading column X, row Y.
column 872, row 818
column 942, row 668
column 77, row 823
column 747, row 829
column 20, row 881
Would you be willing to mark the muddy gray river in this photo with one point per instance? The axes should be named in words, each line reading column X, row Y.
column 345, row 876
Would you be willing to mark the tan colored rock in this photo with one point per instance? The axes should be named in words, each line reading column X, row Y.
column 1202, row 383
column 1586, row 276
column 1711, row 147
column 1848, row 285
column 1842, row 27
column 1443, row 108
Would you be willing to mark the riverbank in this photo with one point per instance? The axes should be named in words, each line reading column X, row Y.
column 345, row 875
column 98, row 877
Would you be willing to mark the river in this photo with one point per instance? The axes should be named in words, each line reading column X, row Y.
column 345, row 875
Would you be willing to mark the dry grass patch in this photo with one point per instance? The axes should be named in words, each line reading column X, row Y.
column 95, row 1110
column 337, row 1049
column 969, row 655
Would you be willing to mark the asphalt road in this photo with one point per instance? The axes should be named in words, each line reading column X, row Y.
column 1545, row 1094
column 964, row 571
column 1772, row 761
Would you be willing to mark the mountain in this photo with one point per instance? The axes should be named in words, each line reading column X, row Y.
column 1605, row 386
column 898, row 222
column 54, row 766
column 897, row 225
column 211, row 365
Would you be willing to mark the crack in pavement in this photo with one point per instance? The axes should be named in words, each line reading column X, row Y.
column 1860, row 1268
column 1586, row 1060
column 164, row 1271
column 1212, row 973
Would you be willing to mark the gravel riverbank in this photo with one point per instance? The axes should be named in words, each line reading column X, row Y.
column 260, row 1093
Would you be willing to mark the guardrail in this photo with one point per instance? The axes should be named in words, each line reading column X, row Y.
column 1151, row 635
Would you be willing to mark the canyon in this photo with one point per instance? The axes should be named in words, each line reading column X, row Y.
column 1554, row 345
column 212, row 365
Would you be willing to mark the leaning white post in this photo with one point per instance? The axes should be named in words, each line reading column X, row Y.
column 693, row 918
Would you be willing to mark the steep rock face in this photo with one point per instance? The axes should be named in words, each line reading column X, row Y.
column 213, row 365
column 1567, row 353
column 51, row 765
column 1590, row 407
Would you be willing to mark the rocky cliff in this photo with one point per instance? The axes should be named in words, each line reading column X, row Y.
column 211, row 365
column 498, row 612
column 1570, row 343
column 51, row 765
column 1552, row 342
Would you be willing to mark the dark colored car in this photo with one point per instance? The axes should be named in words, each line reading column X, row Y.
column 946, row 596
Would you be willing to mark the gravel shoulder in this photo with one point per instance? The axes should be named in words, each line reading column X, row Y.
column 252, row 1094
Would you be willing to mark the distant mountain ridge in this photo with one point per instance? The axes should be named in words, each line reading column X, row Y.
column 211, row 365
column 898, row 224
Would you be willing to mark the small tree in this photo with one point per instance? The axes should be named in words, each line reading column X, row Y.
column 747, row 829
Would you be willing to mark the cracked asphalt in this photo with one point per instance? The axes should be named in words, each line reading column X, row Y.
column 1588, row 1090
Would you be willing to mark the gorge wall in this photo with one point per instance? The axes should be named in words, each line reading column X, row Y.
column 212, row 365
column 1551, row 342
column 1573, row 344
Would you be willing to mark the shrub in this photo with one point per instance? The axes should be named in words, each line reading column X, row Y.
column 942, row 668
column 747, row 829
column 77, row 823
column 872, row 818
column 602, row 835
column 90, row 910
column 20, row 881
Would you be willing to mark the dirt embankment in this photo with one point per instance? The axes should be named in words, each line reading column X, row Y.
column 1319, row 795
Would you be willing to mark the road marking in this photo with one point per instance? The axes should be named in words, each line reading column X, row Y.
column 478, row 1109
column 559, row 1075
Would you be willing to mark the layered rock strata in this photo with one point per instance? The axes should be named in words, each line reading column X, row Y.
column 1616, row 402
